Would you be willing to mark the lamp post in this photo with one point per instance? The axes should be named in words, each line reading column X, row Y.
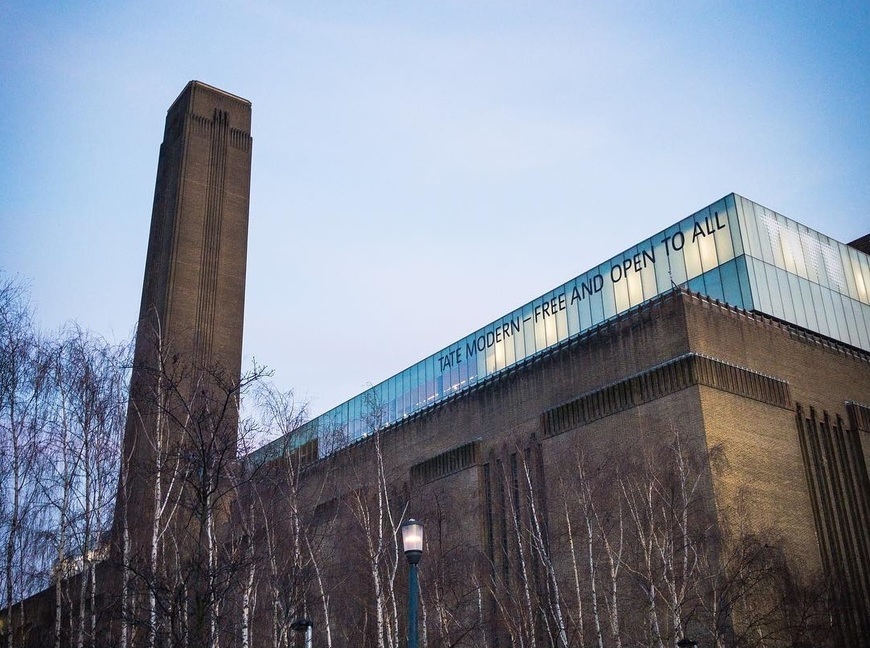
column 303, row 625
column 687, row 643
column 412, row 541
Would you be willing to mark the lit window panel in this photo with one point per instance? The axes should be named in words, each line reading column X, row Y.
column 860, row 273
column 619, row 286
column 690, row 251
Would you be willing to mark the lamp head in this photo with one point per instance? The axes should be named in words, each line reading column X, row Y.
column 687, row 643
column 412, row 540
column 301, row 625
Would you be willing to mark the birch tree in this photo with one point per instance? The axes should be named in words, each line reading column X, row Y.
column 22, row 392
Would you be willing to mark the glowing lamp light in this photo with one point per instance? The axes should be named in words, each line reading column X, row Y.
column 412, row 540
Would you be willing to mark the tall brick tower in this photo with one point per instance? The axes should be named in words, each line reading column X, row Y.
column 187, row 358
column 194, row 287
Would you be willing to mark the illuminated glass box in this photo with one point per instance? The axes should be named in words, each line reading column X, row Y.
column 734, row 250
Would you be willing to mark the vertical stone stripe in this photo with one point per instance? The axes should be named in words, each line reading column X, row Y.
column 859, row 424
column 834, row 472
column 211, row 239
column 836, row 479
column 811, row 469
column 855, row 470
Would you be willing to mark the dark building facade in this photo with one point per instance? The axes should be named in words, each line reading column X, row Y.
column 736, row 335
column 689, row 415
column 768, row 422
column 673, row 444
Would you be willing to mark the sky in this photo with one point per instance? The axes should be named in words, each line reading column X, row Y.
column 419, row 169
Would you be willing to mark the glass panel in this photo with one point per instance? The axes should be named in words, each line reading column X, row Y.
column 794, row 247
column 730, row 284
column 649, row 284
column 830, row 317
column 662, row 266
column 713, row 284
column 722, row 234
column 572, row 313
column 549, row 315
column 691, row 252
column 410, row 397
column 851, row 320
column 676, row 243
column 850, row 288
column 391, row 403
column 489, row 357
column 455, row 376
column 792, row 299
column 788, row 240
column 414, row 391
column 584, row 296
column 765, row 234
column 562, row 315
column 737, row 224
column 518, row 336
column 354, row 428
column 529, row 330
column 746, row 293
column 432, row 380
column 596, row 300
column 864, row 262
column 703, row 237
column 459, row 354
column 401, row 393
column 540, row 331
column 753, row 230
column 858, row 272
column 513, row 332
column 460, row 366
column 840, row 314
column 640, row 260
column 619, row 286
column 608, row 302
column 760, row 287
column 819, row 309
column 502, row 339
column 809, row 306
column 343, row 417
column 428, row 380
column 813, row 255
column 697, row 284
column 862, row 322
column 831, row 265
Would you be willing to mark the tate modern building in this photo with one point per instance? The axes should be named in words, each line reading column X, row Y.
column 673, row 445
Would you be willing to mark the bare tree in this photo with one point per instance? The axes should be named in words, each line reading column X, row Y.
column 288, row 537
column 22, row 387
column 373, row 510
column 183, row 559
column 91, row 388
column 452, row 592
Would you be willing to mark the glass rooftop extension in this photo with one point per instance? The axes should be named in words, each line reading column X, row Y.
column 735, row 250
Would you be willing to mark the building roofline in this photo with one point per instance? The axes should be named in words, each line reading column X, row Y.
column 193, row 84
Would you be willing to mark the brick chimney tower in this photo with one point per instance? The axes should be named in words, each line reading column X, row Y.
column 187, row 359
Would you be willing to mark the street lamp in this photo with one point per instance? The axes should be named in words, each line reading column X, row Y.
column 303, row 625
column 687, row 643
column 412, row 541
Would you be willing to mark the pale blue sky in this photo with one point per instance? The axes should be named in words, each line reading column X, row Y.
column 420, row 169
